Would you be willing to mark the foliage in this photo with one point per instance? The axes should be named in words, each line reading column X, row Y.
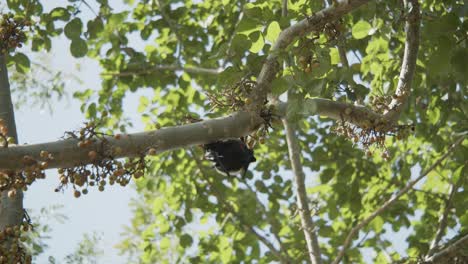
column 87, row 251
column 186, row 212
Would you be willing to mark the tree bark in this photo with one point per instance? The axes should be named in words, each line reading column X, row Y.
column 11, row 208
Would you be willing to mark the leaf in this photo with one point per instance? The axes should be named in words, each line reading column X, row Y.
column 273, row 32
column 334, row 56
column 326, row 231
column 361, row 29
column 326, row 175
column 247, row 26
column 94, row 27
column 258, row 42
column 378, row 224
column 186, row 240
column 260, row 186
column 240, row 43
column 73, row 28
column 144, row 102
column 22, row 62
column 230, row 75
column 91, row 112
column 252, row 10
column 78, row 48
column 280, row 85
column 165, row 243
column 60, row 13
column 83, row 95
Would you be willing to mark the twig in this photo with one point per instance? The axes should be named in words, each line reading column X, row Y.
column 390, row 202
column 265, row 212
column 448, row 249
column 444, row 217
column 90, row 8
column 284, row 8
column 232, row 35
column 189, row 69
column 308, row 225
column 340, row 45
column 172, row 26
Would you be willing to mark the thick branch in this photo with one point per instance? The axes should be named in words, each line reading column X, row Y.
column 11, row 209
column 308, row 225
column 66, row 152
column 189, row 69
column 408, row 66
column 390, row 202
column 287, row 36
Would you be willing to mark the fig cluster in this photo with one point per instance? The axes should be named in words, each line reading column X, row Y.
column 12, row 34
column 11, row 244
column 103, row 169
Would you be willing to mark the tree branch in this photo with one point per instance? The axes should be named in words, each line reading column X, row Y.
column 11, row 208
column 443, row 221
column 458, row 244
column 408, row 66
column 315, row 22
column 66, row 152
column 157, row 68
column 308, row 225
column 284, row 8
column 389, row 202
column 341, row 44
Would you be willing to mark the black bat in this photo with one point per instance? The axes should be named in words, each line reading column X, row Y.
column 230, row 156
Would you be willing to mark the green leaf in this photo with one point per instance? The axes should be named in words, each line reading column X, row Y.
column 252, row 10
column 378, row 224
column 94, row 27
column 60, row 13
column 260, row 186
column 280, row 85
column 73, row 28
column 273, row 32
column 165, row 243
column 257, row 42
column 186, row 240
column 326, row 175
column 240, row 43
column 144, row 102
column 247, row 26
column 91, row 112
column 83, row 95
column 78, row 48
column 361, row 29
column 326, row 231
column 334, row 56
column 22, row 62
